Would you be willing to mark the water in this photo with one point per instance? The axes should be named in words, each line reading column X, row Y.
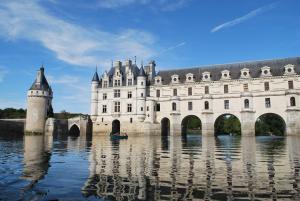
column 150, row 168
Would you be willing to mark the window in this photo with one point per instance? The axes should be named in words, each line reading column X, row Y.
column 190, row 91
column 104, row 108
column 117, row 106
column 129, row 82
column 147, row 108
column 174, row 92
column 291, row 84
column 268, row 102
column 225, row 88
column 129, row 95
column 157, row 93
column 267, row 86
column 226, row 104
column 117, row 93
column 206, row 105
column 246, row 103
column 190, row 105
column 142, row 83
column 174, row 106
column 102, row 119
column 245, row 86
column 117, row 82
column 157, row 107
column 105, row 84
column 142, row 109
column 131, row 120
column 206, row 90
column 142, row 94
column 104, row 96
column 292, row 101
column 129, row 107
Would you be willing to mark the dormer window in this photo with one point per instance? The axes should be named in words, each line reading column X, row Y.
column 189, row 77
column 225, row 74
column 206, row 76
column 175, row 78
column 117, row 83
column 266, row 71
column 157, row 80
column 289, row 69
column 245, row 73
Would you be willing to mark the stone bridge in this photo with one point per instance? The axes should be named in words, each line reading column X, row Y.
column 80, row 125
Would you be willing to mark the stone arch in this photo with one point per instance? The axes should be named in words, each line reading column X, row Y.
column 270, row 124
column 115, row 126
column 165, row 126
column 194, row 122
column 228, row 124
column 74, row 130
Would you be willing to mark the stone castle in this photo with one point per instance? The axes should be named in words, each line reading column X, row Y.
column 135, row 99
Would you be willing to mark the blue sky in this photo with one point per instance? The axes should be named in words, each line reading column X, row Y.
column 71, row 37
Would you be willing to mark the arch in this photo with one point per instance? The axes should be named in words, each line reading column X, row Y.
column 270, row 124
column 74, row 130
column 292, row 101
column 115, row 126
column 227, row 124
column 246, row 103
column 165, row 126
column 191, row 124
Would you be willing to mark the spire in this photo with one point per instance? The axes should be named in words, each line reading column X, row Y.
column 142, row 72
column 96, row 77
column 40, row 82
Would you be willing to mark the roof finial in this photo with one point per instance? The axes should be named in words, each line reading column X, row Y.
column 135, row 60
column 96, row 68
column 142, row 63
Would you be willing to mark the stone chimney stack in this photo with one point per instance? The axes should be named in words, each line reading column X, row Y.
column 128, row 64
column 151, row 70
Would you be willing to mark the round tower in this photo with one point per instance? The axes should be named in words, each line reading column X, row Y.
column 94, row 96
column 141, row 94
column 39, row 98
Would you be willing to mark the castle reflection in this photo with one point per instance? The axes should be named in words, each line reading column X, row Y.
column 223, row 168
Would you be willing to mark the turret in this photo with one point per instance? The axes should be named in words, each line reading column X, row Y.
column 141, row 94
column 39, row 98
column 94, row 96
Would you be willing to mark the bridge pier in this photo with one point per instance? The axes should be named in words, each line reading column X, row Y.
column 208, row 128
column 175, row 125
column 247, row 123
column 293, row 122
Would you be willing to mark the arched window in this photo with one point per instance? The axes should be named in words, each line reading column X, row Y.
column 292, row 101
column 246, row 103
column 206, row 105
column 174, row 106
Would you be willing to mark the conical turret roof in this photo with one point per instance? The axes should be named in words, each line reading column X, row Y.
column 95, row 77
column 40, row 82
column 142, row 72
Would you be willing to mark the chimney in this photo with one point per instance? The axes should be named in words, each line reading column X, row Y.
column 151, row 73
column 128, row 64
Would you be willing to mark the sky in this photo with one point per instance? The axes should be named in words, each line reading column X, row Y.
column 71, row 37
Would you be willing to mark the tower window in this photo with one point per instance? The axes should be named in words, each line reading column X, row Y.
column 206, row 89
column 291, row 84
column 142, row 109
column 225, row 88
column 267, row 86
column 142, row 83
column 190, row 105
column 267, row 102
column 226, row 104
column 174, row 106
column 117, row 107
column 190, row 91
column 292, row 101
column 246, row 103
column 206, row 105
column 174, row 92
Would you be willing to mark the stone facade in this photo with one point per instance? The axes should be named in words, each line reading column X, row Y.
column 39, row 98
column 137, row 100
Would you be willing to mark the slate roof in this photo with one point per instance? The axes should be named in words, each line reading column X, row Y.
column 276, row 65
column 43, row 85
column 95, row 77
column 142, row 72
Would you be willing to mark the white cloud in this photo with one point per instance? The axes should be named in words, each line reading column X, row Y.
column 65, row 79
column 173, row 47
column 241, row 19
column 3, row 72
column 74, row 44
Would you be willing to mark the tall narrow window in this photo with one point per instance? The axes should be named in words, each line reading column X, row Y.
column 117, row 93
column 117, row 106
column 174, row 106
column 292, row 101
column 268, row 102
column 267, row 86
column 131, row 120
column 105, row 84
column 104, row 108
column 129, row 107
column 174, row 92
column 142, row 94
column 129, row 82
column 206, row 105
column 190, row 91
column 157, row 93
column 245, row 86
column 226, row 104
column 157, row 107
column 206, row 89
column 104, row 96
column 291, row 84
column 246, row 103
column 129, row 95
column 190, row 105
column 225, row 89
column 142, row 109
